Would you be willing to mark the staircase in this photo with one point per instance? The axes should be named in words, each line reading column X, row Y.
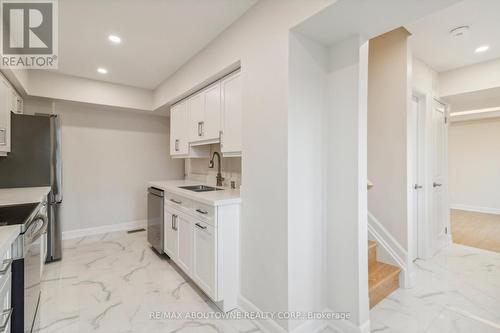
column 383, row 279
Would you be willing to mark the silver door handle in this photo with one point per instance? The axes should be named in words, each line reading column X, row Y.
column 6, row 317
column 202, row 211
column 6, row 265
column 436, row 184
column 176, row 201
column 417, row 187
column 200, row 226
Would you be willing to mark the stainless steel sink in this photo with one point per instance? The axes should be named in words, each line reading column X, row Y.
column 200, row 188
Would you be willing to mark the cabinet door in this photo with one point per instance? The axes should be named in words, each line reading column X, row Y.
column 211, row 128
column 196, row 106
column 170, row 238
column 205, row 258
column 231, row 114
column 178, row 130
column 4, row 117
column 185, row 255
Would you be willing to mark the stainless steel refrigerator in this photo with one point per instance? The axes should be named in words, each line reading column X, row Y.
column 35, row 160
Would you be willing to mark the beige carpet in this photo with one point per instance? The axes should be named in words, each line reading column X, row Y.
column 476, row 229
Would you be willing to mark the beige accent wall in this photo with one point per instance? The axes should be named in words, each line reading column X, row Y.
column 388, row 96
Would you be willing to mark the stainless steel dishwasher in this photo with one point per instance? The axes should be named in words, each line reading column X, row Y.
column 155, row 218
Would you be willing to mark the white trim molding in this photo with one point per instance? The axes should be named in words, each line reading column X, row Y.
column 70, row 234
column 268, row 326
column 397, row 253
column 477, row 209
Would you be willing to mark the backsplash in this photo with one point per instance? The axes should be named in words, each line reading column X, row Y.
column 197, row 169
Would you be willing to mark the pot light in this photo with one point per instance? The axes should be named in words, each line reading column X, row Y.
column 483, row 48
column 102, row 70
column 115, row 39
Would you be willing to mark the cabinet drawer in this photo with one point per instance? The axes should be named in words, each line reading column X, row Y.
column 204, row 211
column 177, row 201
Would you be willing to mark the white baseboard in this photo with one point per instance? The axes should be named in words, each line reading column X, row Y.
column 346, row 326
column 311, row 326
column 268, row 326
column 477, row 209
column 103, row 229
column 392, row 247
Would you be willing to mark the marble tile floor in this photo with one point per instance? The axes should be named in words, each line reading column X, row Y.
column 458, row 290
column 112, row 283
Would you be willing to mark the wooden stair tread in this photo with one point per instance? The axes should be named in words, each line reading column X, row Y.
column 379, row 273
column 371, row 244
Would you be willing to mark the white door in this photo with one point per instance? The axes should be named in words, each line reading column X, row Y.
column 439, row 210
column 231, row 114
column 178, row 129
column 415, row 172
column 171, row 239
column 196, row 106
column 185, row 255
column 205, row 263
column 211, row 126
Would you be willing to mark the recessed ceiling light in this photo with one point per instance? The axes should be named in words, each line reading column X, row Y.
column 115, row 39
column 102, row 70
column 483, row 48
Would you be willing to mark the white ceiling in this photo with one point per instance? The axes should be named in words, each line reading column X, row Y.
column 158, row 36
column 432, row 43
column 368, row 18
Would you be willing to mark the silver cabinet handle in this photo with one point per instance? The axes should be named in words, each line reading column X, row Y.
column 3, row 136
column 6, row 317
column 221, row 133
column 200, row 128
column 436, row 184
column 174, row 221
column 202, row 211
column 200, row 226
column 176, row 201
column 417, row 187
column 6, row 265
column 176, row 144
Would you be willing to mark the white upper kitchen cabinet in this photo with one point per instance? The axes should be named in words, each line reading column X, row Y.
column 179, row 145
column 231, row 115
column 16, row 102
column 5, row 106
column 204, row 115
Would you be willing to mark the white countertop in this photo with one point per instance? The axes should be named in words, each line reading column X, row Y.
column 22, row 195
column 8, row 234
column 213, row 198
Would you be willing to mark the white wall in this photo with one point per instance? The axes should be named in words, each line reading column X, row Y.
column 474, row 165
column 388, row 98
column 306, row 175
column 69, row 88
column 485, row 75
column 259, row 40
column 346, row 128
column 108, row 157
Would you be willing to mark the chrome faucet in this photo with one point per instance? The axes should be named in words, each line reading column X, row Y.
column 219, row 177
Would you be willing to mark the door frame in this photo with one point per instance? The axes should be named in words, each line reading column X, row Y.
column 420, row 163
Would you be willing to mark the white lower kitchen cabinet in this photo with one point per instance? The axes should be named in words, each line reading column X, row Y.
column 170, row 237
column 185, row 253
column 203, row 241
column 205, row 258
